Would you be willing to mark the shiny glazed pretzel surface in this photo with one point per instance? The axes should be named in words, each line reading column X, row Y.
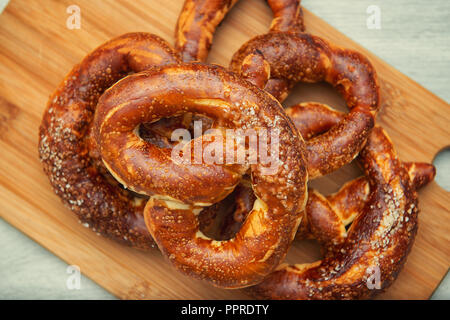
column 382, row 224
column 97, row 158
column 276, row 61
column 171, row 213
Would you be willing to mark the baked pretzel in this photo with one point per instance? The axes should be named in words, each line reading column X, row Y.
column 199, row 19
column 304, row 57
column 378, row 241
column 324, row 218
column 69, row 155
column 231, row 103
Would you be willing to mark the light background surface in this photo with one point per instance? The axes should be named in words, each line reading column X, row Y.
column 414, row 38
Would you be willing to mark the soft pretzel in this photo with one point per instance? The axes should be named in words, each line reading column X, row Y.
column 199, row 19
column 324, row 218
column 147, row 168
column 378, row 240
column 304, row 57
column 231, row 103
column 285, row 56
column 67, row 152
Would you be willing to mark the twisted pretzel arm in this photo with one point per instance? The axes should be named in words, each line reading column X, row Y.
column 65, row 146
column 196, row 25
column 325, row 218
column 380, row 237
column 287, row 16
column 199, row 19
column 267, row 231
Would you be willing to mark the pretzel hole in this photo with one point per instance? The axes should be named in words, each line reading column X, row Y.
column 310, row 250
column 316, row 92
column 223, row 227
column 304, row 251
column 442, row 163
column 160, row 132
column 219, row 220
column 332, row 182
column 230, row 34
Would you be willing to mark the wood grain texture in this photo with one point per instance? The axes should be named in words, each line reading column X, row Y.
column 37, row 50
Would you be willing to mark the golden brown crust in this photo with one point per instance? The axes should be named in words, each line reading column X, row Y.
column 171, row 213
column 303, row 57
column 199, row 19
column 66, row 150
column 379, row 239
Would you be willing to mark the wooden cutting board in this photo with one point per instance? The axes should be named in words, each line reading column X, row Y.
column 37, row 50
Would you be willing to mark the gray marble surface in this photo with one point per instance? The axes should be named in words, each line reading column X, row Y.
column 414, row 37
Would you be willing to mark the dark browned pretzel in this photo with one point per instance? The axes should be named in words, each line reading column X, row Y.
column 325, row 218
column 387, row 194
column 377, row 242
column 171, row 213
column 67, row 152
column 304, row 57
column 199, row 19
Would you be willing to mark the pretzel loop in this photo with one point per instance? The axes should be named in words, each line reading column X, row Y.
column 69, row 155
column 147, row 168
column 309, row 58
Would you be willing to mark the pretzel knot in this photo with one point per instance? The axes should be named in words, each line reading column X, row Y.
column 199, row 19
column 179, row 191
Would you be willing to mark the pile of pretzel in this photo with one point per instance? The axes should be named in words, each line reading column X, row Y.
column 105, row 144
